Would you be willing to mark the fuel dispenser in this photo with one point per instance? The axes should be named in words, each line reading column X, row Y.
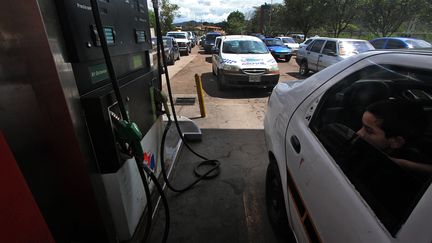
column 109, row 109
column 63, row 80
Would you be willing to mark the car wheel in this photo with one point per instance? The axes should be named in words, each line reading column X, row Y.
column 275, row 201
column 187, row 52
column 304, row 70
column 221, row 81
column 190, row 50
column 287, row 59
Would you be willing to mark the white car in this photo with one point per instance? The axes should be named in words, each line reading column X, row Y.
column 243, row 61
column 323, row 52
column 183, row 40
column 326, row 184
column 290, row 42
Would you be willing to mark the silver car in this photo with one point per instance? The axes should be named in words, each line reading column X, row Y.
column 324, row 52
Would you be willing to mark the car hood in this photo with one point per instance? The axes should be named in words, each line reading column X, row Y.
column 249, row 60
column 292, row 45
column 279, row 48
column 183, row 40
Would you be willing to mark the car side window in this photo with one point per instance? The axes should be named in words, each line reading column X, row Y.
column 395, row 44
column 218, row 43
column 329, row 48
column 391, row 190
column 378, row 44
column 310, row 45
column 317, row 45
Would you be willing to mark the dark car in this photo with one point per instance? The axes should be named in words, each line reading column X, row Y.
column 399, row 43
column 210, row 41
column 278, row 49
column 172, row 52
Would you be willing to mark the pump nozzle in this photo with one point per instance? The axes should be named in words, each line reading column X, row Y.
column 160, row 96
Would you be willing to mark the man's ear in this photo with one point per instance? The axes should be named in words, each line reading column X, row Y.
column 396, row 142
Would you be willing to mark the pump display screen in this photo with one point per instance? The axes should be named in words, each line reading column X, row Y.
column 109, row 35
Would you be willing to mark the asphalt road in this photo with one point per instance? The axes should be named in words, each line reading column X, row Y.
column 230, row 207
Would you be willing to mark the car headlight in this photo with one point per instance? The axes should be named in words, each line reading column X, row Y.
column 230, row 67
column 274, row 68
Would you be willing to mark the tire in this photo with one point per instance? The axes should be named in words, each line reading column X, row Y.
column 303, row 70
column 275, row 202
column 287, row 59
column 178, row 57
column 187, row 53
column 190, row 50
column 221, row 81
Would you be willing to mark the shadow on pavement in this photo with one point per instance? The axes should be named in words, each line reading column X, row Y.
column 228, row 208
column 210, row 87
column 202, row 52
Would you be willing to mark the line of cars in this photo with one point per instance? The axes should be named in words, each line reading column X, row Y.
column 176, row 43
column 318, row 53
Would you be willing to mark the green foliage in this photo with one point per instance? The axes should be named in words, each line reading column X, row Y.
column 167, row 13
column 385, row 17
column 152, row 19
column 341, row 14
column 305, row 15
column 235, row 23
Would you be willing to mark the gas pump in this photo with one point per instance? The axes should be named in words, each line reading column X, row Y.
column 108, row 46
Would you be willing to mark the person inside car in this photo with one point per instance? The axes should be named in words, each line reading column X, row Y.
column 395, row 126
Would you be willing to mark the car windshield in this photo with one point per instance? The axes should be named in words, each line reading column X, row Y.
column 354, row 47
column 166, row 43
column 244, row 47
column 211, row 37
column 274, row 42
column 177, row 35
column 288, row 40
column 418, row 43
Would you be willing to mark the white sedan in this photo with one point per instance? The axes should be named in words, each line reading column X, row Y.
column 324, row 182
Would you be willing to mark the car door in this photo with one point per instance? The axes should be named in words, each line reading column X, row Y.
column 328, row 55
column 324, row 205
column 312, row 54
column 216, row 57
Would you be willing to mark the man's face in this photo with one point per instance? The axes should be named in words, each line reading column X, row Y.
column 372, row 132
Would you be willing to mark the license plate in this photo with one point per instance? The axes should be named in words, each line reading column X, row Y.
column 254, row 78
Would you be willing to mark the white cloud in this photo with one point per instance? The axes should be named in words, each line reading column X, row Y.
column 213, row 10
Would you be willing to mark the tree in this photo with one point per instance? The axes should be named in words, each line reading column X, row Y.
column 152, row 19
column 235, row 23
column 305, row 15
column 167, row 13
column 384, row 17
column 341, row 14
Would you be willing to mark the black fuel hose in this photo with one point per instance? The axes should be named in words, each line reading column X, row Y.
column 139, row 161
column 215, row 164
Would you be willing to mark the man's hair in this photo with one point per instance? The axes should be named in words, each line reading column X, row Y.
column 400, row 118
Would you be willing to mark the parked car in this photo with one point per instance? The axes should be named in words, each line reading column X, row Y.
column 399, row 43
column 209, row 41
column 192, row 38
column 290, row 42
column 299, row 38
column 324, row 183
column 278, row 49
column 258, row 35
column 324, row 52
column 182, row 38
column 172, row 52
column 243, row 61
column 305, row 43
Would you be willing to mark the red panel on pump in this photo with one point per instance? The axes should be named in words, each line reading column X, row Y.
column 21, row 220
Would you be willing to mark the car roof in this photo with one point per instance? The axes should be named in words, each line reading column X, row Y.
column 175, row 32
column 337, row 39
column 268, row 38
column 213, row 33
column 395, row 38
column 240, row 37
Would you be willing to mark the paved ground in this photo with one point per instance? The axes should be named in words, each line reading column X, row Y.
column 230, row 207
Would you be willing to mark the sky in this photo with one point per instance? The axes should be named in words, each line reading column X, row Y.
column 214, row 11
